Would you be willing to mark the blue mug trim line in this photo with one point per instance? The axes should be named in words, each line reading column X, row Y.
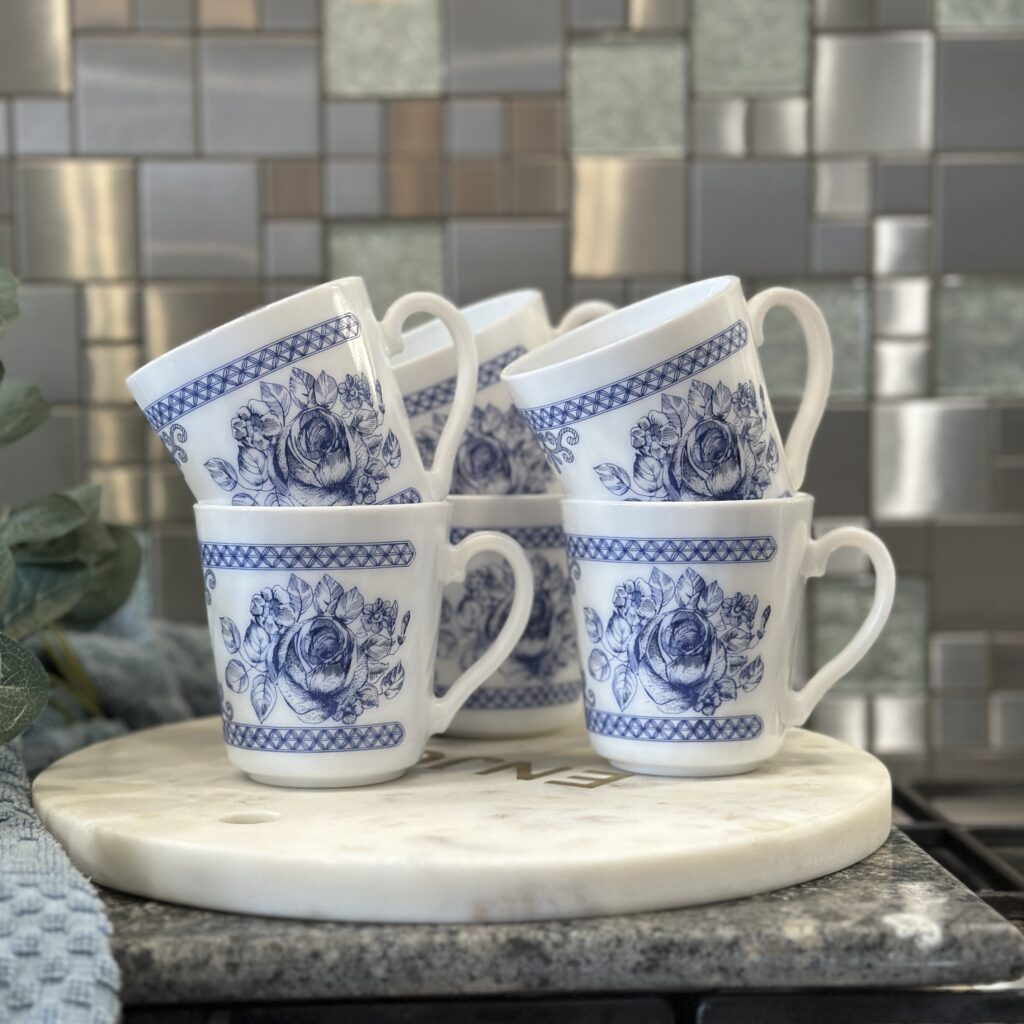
column 529, row 537
column 520, row 698
column 343, row 739
column 730, row 729
column 438, row 395
column 649, row 550
column 394, row 554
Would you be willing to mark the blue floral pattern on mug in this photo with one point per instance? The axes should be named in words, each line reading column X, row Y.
column 710, row 446
column 470, row 626
column 316, row 442
column 684, row 642
column 324, row 650
column 497, row 454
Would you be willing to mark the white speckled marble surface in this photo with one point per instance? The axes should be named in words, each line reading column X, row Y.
column 527, row 829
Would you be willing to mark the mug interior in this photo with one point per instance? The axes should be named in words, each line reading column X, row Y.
column 619, row 326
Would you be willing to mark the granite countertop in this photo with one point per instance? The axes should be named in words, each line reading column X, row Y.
column 895, row 919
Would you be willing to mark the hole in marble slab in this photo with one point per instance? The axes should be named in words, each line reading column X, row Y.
column 250, row 818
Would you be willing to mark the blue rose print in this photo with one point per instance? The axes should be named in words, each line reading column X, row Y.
column 682, row 641
column 316, row 442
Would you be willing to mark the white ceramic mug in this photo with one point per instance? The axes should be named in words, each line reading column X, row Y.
column 497, row 453
column 687, row 619
column 324, row 627
column 297, row 403
column 665, row 400
column 537, row 688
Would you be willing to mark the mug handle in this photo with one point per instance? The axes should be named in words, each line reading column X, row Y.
column 439, row 476
column 800, row 703
column 582, row 313
column 819, row 369
column 444, row 708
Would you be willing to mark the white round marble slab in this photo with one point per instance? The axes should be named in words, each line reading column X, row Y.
column 512, row 830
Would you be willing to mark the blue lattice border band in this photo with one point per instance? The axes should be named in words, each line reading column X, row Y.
column 392, row 554
column 245, row 369
column 728, row 729
column 530, row 537
column 410, row 496
column 521, row 698
column 649, row 550
column 639, row 385
column 343, row 739
column 441, row 394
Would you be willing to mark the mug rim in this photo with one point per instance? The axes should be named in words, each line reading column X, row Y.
column 210, row 504
column 799, row 499
column 523, row 369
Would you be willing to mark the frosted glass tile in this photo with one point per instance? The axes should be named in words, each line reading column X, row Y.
column 980, row 337
column 898, row 661
column 757, row 47
column 392, row 258
column 628, row 97
column 398, row 43
column 846, row 306
column 983, row 15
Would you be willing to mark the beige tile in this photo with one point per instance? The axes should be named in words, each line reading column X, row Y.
column 228, row 14
column 291, row 188
column 102, row 13
column 539, row 186
column 535, row 125
column 122, row 494
column 474, row 187
column 115, row 436
column 175, row 313
column 414, row 128
column 106, row 369
column 35, row 47
column 414, row 189
column 110, row 312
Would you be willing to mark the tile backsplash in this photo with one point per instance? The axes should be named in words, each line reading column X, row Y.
column 166, row 165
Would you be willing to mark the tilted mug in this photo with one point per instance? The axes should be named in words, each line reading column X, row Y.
column 296, row 404
column 687, row 618
column 497, row 453
column 665, row 400
column 324, row 625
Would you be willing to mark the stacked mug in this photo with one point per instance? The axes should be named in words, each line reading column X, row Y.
column 324, row 539
column 688, row 541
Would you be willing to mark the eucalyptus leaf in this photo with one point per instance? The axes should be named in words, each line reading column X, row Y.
column 8, row 300
column 24, row 688
column 41, row 595
column 112, row 580
column 43, row 520
column 22, row 409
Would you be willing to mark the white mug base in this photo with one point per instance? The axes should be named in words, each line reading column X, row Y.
column 317, row 771
column 687, row 760
column 314, row 783
column 509, row 724
column 689, row 772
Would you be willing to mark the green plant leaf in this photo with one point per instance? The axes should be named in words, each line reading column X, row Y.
column 41, row 595
column 112, row 580
column 22, row 409
column 8, row 300
column 24, row 688
column 43, row 520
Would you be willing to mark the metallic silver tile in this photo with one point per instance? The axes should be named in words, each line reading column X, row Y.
column 719, row 127
column 199, row 218
column 845, row 561
column 532, row 255
column 959, row 722
column 628, row 96
column 122, row 494
column 535, row 125
column 902, row 245
column 597, row 15
column 170, row 500
column 750, row 217
column 745, row 47
column 293, row 248
column 355, row 127
column 414, row 68
column 106, row 367
column 837, row 471
column 840, row 14
column 842, row 188
column 76, row 219
column 35, row 47
column 7, row 246
column 474, row 127
column 901, row 368
column 165, row 15
column 779, row 127
column 42, row 127
column 175, row 313
column 873, row 93
column 1008, row 661
column 840, row 248
column 3, row 127
column 1006, row 720
column 908, row 543
column 5, row 189
column 929, row 458
column 1008, row 477
column 903, row 186
column 133, row 94
column 115, row 436
column 903, row 307
column 1008, row 429
column 227, row 14
column 843, row 716
column 260, row 95
column 958, row 662
column 102, row 13
column 899, row 724
column 629, row 217
column 176, row 576
column 498, row 47
column 981, row 82
column 977, row 567
column 980, row 219
column 47, row 459
column 353, row 188
column 274, row 290
column 658, row 15
column 110, row 312
column 290, row 15
column 42, row 344
column 892, row 14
